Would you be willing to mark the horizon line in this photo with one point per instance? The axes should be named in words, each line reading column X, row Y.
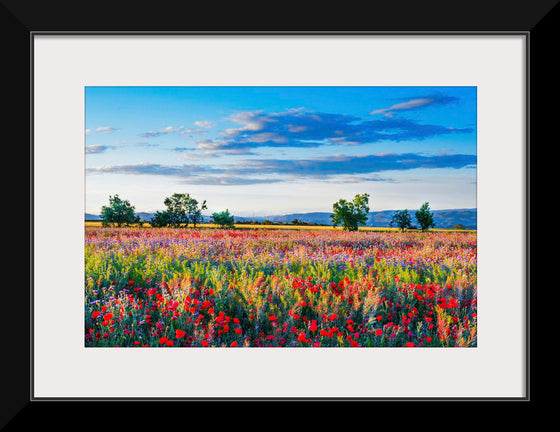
column 304, row 212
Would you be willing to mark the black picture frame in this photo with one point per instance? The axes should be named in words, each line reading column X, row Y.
column 20, row 20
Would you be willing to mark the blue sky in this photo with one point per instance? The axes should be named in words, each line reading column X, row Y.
column 276, row 150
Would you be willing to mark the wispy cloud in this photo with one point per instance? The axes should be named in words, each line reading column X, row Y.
column 164, row 131
column 253, row 171
column 204, row 124
column 415, row 103
column 342, row 164
column 97, row 148
column 106, row 129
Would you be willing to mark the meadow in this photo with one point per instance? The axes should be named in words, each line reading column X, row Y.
column 280, row 287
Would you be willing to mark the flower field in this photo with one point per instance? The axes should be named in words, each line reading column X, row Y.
column 164, row 287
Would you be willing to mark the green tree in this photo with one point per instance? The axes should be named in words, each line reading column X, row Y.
column 160, row 219
column 424, row 217
column 223, row 219
column 194, row 212
column 119, row 212
column 402, row 219
column 350, row 214
column 182, row 209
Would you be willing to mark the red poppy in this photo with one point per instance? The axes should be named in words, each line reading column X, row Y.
column 378, row 332
column 95, row 314
column 179, row 333
column 410, row 344
column 233, row 344
column 332, row 317
column 238, row 331
column 272, row 318
column 204, row 343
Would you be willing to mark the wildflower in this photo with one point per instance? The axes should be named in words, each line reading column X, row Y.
column 179, row 333
column 313, row 326
column 95, row 314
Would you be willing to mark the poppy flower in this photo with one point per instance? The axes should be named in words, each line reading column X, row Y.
column 204, row 342
column 410, row 344
column 95, row 314
column 179, row 333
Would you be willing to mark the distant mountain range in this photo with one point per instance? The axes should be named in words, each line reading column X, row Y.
column 442, row 218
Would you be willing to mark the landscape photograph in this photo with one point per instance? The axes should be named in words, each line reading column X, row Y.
column 288, row 217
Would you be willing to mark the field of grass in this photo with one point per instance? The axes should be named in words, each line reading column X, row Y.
column 279, row 287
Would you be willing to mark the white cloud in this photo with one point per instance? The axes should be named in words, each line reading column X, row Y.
column 106, row 129
column 414, row 103
column 204, row 124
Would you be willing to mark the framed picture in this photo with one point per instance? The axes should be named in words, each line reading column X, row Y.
column 255, row 125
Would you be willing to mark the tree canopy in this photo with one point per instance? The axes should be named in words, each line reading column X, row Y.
column 182, row 209
column 119, row 212
column 223, row 219
column 402, row 219
column 424, row 217
column 351, row 214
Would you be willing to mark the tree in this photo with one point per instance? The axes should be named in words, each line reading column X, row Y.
column 425, row 218
column 160, row 219
column 402, row 219
column 194, row 213
column 182, row 209
column 459, row 226
column 350, row 214
column 223, row 219
column 119, row 212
